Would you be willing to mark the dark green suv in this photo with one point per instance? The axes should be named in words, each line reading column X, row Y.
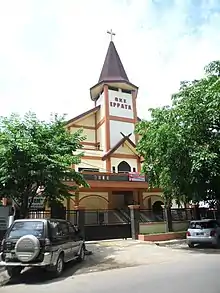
column 46, row 243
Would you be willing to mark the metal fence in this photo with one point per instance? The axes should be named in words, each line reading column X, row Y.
column 70, row 215
column 106, row 217
column 147, row 215
column 122, row 216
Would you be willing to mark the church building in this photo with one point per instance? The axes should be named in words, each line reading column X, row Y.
column 111, row 164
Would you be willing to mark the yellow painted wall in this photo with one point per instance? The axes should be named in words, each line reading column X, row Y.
column 87, row 121
column 88, row 133
column 94, row 200
column 101, row 136
column 116, row 161
column 124, row 149
column 87, row 163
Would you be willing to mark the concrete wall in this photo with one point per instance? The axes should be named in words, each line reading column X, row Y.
column 159, row 227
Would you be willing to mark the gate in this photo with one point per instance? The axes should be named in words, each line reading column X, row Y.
column 106, row 224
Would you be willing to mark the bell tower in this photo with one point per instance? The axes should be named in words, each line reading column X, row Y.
column 116, row 96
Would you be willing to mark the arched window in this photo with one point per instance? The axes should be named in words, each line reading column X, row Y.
column 124, row 167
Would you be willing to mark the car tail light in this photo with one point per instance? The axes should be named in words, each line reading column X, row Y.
column 47, row 244
column 213, row 233
column 188, row 233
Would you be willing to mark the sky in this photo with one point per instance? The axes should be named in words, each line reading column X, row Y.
column 52, row 51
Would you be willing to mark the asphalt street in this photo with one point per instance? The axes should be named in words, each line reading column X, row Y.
column 197, row 275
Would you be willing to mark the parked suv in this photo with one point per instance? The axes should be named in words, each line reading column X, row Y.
column 46, row 243
column 203, row 232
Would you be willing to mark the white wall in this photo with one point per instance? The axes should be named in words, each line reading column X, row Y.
column 120, row 104
column 116, row 161
column 101, row 112
column 116, row 127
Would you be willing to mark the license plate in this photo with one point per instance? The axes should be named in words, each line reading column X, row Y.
column 199, row 234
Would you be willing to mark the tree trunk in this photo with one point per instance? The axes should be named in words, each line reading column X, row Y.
column 196, row 212
column 168, row 219
column 24, row 207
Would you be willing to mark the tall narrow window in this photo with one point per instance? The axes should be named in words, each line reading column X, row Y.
column 113, row 169
column 134, row 169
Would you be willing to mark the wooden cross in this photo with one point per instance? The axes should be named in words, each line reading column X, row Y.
column 111, row 34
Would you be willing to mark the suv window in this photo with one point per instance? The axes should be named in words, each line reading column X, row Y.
column 55, row 229
column 203, row 225
column 23, row 228
column 71, row 228
column 64, row 228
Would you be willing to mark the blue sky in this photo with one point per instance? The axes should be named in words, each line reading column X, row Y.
column 52, row 51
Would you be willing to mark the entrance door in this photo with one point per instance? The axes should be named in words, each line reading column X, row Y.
column 128, row 198
column 122, row 199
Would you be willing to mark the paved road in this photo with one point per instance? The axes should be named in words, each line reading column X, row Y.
column 197, row 275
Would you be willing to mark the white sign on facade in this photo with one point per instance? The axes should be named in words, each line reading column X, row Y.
column 38, row 203
column 120, row 104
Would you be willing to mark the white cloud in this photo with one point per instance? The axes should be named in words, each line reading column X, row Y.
column 52, row 51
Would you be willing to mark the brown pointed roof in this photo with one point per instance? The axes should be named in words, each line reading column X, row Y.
column 113, row 69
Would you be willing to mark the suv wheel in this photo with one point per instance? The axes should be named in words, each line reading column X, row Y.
column 81, row 256
column 58, row 268
column 14, row 272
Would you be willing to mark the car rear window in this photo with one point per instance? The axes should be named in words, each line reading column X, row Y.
column 203, row 225
column 20, row 229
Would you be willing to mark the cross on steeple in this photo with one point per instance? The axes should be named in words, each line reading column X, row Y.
column 111, row 33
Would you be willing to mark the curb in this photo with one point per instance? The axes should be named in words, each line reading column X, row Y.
column 170, row 242
column 107, row 240
column 112, row 241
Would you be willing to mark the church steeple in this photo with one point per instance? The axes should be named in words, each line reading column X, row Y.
column 112, row 74
column 113, row 69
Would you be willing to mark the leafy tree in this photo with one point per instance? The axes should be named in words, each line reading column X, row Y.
column 181, row 144
column 35, row 154
column 163, row 151
column 197, row 107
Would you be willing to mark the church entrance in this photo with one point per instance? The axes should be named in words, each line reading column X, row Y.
column 114, row 223
column 157, row 208
column 122, row 199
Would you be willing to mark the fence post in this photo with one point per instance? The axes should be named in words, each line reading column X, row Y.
column 80, row 219
column 135, row 219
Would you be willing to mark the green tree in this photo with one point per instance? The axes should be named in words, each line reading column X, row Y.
column 36, row 154
column 181, row 144
column 197, row 107
column 163, row 151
